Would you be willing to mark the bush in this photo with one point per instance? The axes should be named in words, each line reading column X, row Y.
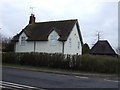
column 87, row 63
column 9, row 58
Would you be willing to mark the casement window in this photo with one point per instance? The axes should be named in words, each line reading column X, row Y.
column 78, row 45
column 53, row 39
column 70, row 42
column 23, row 40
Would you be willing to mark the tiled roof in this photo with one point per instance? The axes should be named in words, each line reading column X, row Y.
column 40, row 31
column 102, row 47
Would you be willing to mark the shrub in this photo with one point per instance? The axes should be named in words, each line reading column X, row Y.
column 88, row 63
column 9, row 58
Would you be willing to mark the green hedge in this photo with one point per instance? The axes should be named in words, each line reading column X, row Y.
column 87, row 63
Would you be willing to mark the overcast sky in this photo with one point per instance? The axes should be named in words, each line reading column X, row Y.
column 93, row 15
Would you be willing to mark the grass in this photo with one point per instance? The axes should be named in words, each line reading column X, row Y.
column 52, row 69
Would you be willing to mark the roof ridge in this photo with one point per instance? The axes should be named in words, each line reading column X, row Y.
column 56, row 21
column 102, row 40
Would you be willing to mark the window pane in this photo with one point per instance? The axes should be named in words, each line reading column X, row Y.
column 22, row 40
column 53, row 39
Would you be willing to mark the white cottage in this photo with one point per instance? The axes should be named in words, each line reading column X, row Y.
column 50, row 37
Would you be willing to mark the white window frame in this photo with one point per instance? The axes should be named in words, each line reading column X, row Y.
column 23, row 40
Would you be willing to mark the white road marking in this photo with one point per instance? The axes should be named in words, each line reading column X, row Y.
column 111, row 80
column 11, row 86
column 81, row 77
column 2, row 86
column 15, row 85
column 19, row 85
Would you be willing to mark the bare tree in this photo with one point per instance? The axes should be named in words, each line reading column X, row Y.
column 1, row 38
column 5, row 43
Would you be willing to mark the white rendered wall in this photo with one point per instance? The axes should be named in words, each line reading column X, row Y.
column 28, row 47
column 73, row 49
column 46, row 46
column 40, row 46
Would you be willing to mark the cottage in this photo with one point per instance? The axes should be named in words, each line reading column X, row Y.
column 62, row 36
column 102, row 47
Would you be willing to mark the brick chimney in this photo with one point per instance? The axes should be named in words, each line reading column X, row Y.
column 32, row 19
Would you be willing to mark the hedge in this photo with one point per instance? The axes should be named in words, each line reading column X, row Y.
column 87, row 63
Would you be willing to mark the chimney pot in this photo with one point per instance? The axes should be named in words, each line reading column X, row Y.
column 32, row 19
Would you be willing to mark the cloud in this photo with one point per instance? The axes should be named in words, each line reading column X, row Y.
column 93, row 16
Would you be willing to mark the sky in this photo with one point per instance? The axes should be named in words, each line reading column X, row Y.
column 94, row 16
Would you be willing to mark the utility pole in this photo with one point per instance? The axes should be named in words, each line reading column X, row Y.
column 98, row 36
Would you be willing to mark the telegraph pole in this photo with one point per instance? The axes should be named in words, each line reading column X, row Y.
column 98, row 35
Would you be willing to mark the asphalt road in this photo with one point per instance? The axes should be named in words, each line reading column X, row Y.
column 50, row 80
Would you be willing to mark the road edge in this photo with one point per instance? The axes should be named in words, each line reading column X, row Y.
column 61, row 72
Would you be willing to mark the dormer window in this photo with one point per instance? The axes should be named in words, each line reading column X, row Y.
column 23, row 40
column 53, row 39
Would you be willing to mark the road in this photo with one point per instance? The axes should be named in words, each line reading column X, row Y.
column 35, row 79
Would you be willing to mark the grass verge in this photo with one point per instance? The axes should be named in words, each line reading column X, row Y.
column 53, row 69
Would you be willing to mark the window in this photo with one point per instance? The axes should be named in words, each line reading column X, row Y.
column 70, row 42
column 22, row 40
column 78, row 45
column 53, row 39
